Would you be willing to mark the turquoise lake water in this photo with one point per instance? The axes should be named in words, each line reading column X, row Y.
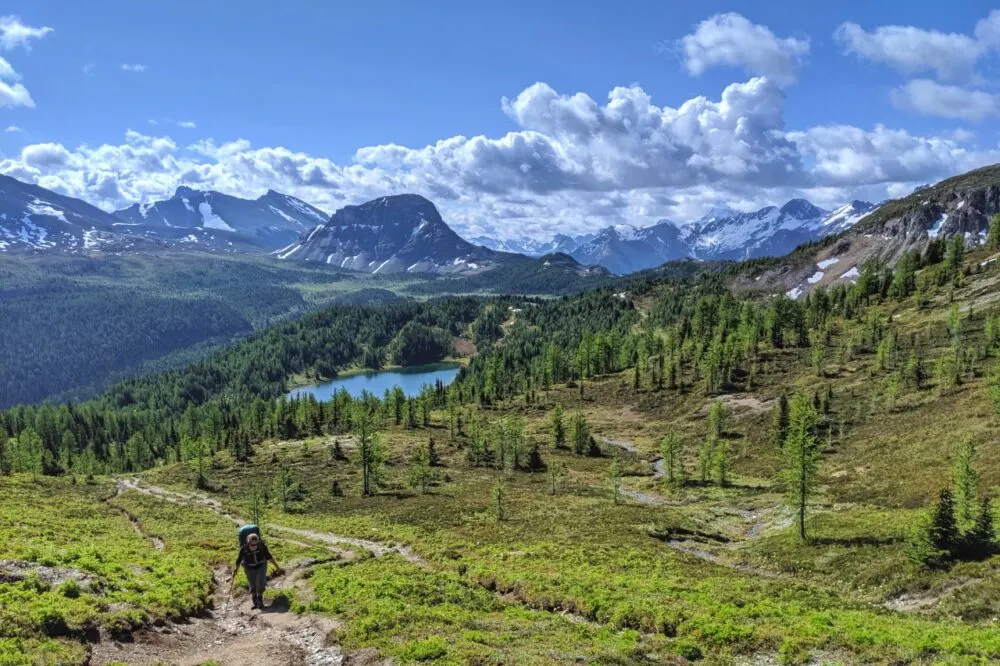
column 411, row 380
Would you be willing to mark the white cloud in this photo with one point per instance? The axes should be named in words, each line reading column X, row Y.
column 134, row 68
column 187, row 124
column 732, row 40
column 15, row 95
column 935, row 99
column 13, row 33
column 913, row 50
column 12, row 129
column 153, row 121
column 572, row 165
column 7, row 72
column 88, row 69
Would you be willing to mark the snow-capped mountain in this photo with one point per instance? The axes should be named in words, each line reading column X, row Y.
column 395, row 234
column 34, row 218
column 722, row 233
column 532, row 247
column 624, row 249
column 529, row 247
column 846, row 216
column 770, row 231
column 271, row 221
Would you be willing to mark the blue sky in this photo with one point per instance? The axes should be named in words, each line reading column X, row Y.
column 285, row 95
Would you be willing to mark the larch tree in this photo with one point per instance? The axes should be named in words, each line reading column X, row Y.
column 372, row 457
column 965, row 484
column 670, row 453
column 802, row 456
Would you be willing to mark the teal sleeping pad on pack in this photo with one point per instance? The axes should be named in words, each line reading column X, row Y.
column 246, row 531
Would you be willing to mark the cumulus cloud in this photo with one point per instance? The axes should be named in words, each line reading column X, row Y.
column 187, row 124
column 88, row 69
column 134, row 68
column 848, row 156
column 573, row 164
column 15, row 95
column 935, row 99
column 14, row 33
column 732, row 40
column 12, row 129
column 913, row 50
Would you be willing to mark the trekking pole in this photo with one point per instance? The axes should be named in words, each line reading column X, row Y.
column 229, row 598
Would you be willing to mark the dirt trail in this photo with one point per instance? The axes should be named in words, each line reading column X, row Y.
column 229, row 634
column 918, row 601
column 156, row 541
column 332, row 541
column 622, row 444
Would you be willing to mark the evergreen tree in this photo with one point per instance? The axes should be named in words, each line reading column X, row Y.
column 196, row 451
column 284, row 488
column 965, row 484
column 706, row 456
column 802, row 455
column 256, row 507
column 670, row 453
column 993, row 237
column 421, row 475
column 779, row 422
column 558, row 428
column 580, row 435
column 944, row 534
column 954, row 259
column 980, row 542
column 535, row 461
column 717, row 419
column 818, row 356
column 556, row 473
column 499, row 495
column 721, row 463
column 994, row 391
column 372, row 458
column 432, row 455
column 615, row 474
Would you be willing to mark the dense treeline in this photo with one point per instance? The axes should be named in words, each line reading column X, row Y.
column 70, row 324
column 691, row 334
column 230, row 400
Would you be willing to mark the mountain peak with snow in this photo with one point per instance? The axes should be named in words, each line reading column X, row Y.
column 271, row 221
column 402, row 233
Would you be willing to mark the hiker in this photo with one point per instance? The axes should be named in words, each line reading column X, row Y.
column 254, row 556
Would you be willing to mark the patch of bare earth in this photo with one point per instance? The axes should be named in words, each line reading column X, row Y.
column 918, row 601
column 230, row 634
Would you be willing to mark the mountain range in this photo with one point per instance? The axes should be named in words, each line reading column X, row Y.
column 270, row 221
column 723, row 233
column 405, row 234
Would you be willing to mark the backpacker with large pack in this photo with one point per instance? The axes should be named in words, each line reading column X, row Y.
column 245, row 532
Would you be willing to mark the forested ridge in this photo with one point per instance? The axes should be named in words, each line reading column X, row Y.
column 689, row 334
column 73, row 325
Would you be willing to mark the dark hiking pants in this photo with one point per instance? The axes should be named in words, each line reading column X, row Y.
column 257, row 577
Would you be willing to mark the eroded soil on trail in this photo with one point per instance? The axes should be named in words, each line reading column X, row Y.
column 231, row 633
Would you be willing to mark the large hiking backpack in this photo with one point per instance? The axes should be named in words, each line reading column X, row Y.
column 246, row 531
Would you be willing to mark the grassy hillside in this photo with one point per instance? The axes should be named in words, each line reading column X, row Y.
column 511, row 549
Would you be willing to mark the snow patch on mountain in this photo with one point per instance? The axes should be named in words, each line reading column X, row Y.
column 826, row 263
column 210, row 220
